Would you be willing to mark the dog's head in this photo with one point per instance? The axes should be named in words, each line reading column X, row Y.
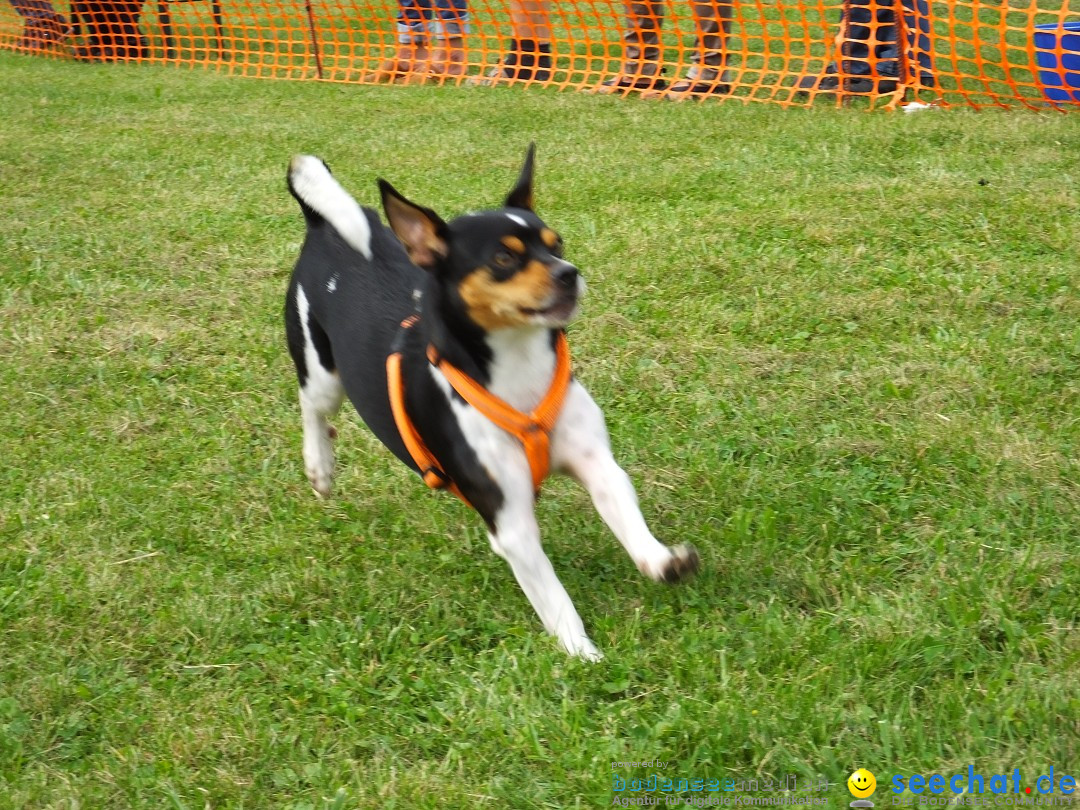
column 505, row 266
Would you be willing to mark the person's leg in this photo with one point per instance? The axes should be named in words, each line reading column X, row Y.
column 867, row 30
column 708, row 75
column 37, row 10
column 879, row 54
column 870, row 32
column 528, row 54
column 24, row 8
column 641, row 38
column 130, row 43
column 917, row 31
column 111, row 31
column 43, row 25
column 411, row 54
column 448, row 37
column 641, row 66
column 95, row 19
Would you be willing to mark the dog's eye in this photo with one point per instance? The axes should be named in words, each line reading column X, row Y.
column 557, row 250
column 504, row 260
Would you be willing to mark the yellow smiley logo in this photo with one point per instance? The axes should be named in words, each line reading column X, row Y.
column 862, row 784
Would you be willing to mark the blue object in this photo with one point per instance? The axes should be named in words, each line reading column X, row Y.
column 1057, row 79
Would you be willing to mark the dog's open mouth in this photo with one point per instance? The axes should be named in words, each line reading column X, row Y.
column 561, row 310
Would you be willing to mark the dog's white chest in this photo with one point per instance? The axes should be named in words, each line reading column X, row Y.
column 522, row 367
column 521, row 372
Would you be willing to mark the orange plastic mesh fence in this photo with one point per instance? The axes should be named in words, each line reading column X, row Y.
column 975, row 52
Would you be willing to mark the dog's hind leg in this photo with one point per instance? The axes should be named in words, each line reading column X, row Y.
column 319, row 399
column 321, row 392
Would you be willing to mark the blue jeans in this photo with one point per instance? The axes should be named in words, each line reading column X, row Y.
column 439, row 19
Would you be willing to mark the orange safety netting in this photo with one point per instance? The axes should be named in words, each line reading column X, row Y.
column 976, row 52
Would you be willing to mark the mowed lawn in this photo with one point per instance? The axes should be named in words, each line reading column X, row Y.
column 838, row 351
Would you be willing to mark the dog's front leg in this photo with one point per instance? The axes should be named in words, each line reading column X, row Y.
column 517, row 540
column 581, row 448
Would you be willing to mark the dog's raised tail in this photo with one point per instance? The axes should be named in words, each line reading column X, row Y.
column 322, row 198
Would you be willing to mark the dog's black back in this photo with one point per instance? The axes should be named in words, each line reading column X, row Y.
column 354, row 302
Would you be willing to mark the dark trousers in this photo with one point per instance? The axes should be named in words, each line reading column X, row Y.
column 34, row 10
column 42, row 23
column 865, row 46
column 112, row 28
column 641, row 37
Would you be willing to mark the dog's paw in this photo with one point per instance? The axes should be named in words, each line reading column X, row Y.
column 582, row 647
column 321, row 482
column 683, row 564
column 319, row 459
column 319, row 468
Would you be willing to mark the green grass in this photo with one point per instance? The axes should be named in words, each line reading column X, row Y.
column 838, row 351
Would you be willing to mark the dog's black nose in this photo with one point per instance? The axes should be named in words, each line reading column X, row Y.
column 565, row 275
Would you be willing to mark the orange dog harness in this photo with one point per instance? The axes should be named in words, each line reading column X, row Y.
column 533, row 429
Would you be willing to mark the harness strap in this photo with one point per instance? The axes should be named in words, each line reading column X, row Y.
column 430, row 470
column 533, row 430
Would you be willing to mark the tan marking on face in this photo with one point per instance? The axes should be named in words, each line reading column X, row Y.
column 513, row 243
column 549, row 237
column 498, row 304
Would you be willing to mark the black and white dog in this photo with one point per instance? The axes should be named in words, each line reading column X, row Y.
column 449, row 340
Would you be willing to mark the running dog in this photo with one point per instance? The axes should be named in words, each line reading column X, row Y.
column 449, row 339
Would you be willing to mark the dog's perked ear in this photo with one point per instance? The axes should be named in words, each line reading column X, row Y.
column 522, row 195
column 420, row 229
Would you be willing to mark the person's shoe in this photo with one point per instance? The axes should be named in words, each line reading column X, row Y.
column 852, row 85
column 685, row 89
column 826, row 83
column 89, row 53
column 868, row 87
column 526, row 60
column 627, row 82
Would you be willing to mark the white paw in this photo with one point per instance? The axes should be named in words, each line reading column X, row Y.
column 320, row 484
column 582, row 647
column 319, row 467
column 681, row 563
